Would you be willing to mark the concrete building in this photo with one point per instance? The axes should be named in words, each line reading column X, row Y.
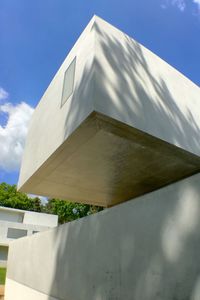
column 126, row 130
column 16, row 223
column 125, row 123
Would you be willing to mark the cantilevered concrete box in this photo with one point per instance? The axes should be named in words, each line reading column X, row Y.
column 115, row 122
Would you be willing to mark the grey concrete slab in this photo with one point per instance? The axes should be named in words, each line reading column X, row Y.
column 105, row 162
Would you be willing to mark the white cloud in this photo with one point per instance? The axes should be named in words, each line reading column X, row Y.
column 197, row 2
column 180, row 4
column 3, row 94
column 13, row 134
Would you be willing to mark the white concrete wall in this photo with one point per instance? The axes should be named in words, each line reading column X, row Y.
column 53, row 123
column 147, row 248
column 28, row 293
column 4, row 227
column 28, row 217
column 11, row 216
column 40, row 219
column 137, row 87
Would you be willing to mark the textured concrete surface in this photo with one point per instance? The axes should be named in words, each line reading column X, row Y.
column 147, row 248
column 105, row 162
column 120, row 79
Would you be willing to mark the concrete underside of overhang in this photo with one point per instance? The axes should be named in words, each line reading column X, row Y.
column 105, row 162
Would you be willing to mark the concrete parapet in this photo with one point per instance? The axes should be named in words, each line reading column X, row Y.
column 144, row 249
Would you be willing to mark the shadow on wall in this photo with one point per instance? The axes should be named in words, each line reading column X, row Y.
column 143, row 249
column 146, row 249
column 134, row 89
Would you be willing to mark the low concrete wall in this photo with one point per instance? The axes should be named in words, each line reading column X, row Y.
column 23, row 292
column 5, row 227
column 144, row 249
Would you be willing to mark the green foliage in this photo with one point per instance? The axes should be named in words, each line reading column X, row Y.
column 10, row 197
column 69, row 211
column 2, row 276
column 66, row 211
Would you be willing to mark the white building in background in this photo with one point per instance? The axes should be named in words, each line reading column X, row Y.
column 16, row 223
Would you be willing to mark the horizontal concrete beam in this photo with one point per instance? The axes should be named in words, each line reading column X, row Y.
column 105, row 162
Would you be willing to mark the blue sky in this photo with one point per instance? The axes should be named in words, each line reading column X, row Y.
column 35, row 37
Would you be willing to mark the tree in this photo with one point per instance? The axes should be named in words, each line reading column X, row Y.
column 10, row 197
column 69, row 211
column 66, row 211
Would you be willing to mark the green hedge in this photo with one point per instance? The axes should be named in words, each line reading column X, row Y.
column 2, row 275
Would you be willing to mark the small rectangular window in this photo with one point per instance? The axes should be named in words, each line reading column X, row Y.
column 68, row 84
column 3, row 253
column 14, row 233
column 11, row 216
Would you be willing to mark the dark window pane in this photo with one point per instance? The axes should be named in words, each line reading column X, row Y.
column 68, row 85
